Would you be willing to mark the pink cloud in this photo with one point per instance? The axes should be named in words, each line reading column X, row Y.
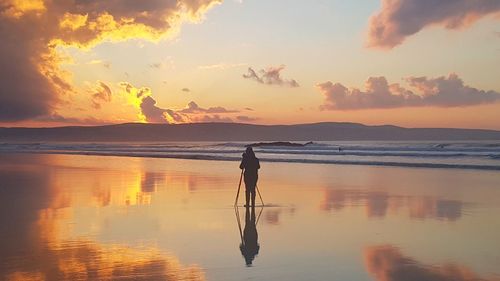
column 387, row 263
column 442, row 92
column 213, row 119
column 270, row 76
column 244, row 118
column 193, row 108
column 399, row 19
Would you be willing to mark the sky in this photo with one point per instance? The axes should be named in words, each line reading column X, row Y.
column 411, row 63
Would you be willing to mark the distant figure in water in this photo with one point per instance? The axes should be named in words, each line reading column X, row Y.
column 251, row 165
column 249, row 246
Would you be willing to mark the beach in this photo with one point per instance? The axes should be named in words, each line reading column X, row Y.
column 91, row 217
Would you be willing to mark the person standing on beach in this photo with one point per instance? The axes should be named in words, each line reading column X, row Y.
column 251, row 165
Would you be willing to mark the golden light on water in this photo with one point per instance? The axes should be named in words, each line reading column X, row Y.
column 91, row 217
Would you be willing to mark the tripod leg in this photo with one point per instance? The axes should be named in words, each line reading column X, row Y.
column 260, row 196
column 239, row 186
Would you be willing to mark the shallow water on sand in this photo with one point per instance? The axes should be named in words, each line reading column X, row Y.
column 99, row 218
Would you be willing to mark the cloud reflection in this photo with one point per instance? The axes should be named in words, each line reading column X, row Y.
column 272, row 216
column 150, row 181
column 35, row 246
column 387, row 263
column 86, row 260
column 379, row 204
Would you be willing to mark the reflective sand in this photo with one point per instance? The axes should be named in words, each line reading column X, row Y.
column 100, row 218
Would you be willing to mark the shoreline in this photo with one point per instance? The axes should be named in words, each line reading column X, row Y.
column 262, row 159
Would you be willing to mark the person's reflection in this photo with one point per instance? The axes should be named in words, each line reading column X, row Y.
column 249, row 246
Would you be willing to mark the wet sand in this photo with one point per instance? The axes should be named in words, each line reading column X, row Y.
column 69, row 217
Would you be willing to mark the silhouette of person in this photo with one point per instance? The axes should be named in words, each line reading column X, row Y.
column 249, row 246
column 251, row 165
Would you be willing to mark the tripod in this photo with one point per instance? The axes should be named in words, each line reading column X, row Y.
column 239, row 187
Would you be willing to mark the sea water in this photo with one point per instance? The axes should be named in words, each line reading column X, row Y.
column 467, row 154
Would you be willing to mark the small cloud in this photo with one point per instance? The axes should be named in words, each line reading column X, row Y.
column 101, row 94
column 164, row 63
column 152, row 112
column 246, row 118
column 100, row 62
column 176, row 117
column 140, row 44
column 270, row 76
column 221, row 66
column 193, row 108
column 156, row 65
column 213, row 119
column 149, row 109
column 187, row 90
column 95, row 62
column 442, row 92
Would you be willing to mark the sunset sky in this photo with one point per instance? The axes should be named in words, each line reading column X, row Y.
column 412, row 63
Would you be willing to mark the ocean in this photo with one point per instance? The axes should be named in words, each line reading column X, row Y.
column 483, row 155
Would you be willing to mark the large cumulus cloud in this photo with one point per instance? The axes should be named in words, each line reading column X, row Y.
column 399, row 19
column 442, row 92
column 32, row 82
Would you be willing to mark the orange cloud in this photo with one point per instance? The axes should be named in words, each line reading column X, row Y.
column 18, row 8
column 150, row 112
column 33, row 83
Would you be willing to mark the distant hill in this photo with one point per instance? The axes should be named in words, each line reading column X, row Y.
column 241, row 132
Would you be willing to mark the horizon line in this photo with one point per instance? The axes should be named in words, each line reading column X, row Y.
column 248, row 124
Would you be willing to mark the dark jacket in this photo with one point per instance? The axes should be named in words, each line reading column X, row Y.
column 251, row 166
